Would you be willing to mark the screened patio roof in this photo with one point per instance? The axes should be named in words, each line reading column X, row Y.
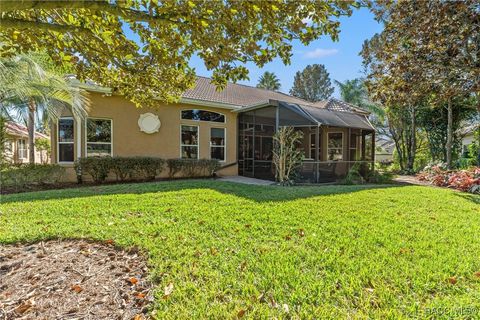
column 317, row 115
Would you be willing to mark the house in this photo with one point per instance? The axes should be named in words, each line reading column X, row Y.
column 384, row 150
column 468, row 136
column 16, row 145
column 235, row 126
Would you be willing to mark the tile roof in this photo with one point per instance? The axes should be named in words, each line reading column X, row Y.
column 235, row 94
column 16, row 129
column 243, row 96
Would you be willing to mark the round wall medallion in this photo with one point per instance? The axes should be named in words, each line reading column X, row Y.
column 149, row 123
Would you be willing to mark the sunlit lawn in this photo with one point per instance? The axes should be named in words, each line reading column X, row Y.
column 273, row 252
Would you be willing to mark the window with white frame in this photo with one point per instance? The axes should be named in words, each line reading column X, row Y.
column 335, row 146
column 217, row 143
column 189, row 142
column 99, row 137
column 65, row 142
column 22, row 149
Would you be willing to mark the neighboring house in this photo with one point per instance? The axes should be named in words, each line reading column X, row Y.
column 384, row 150
column 16, row 146
column 468, row 136
column 235, row 126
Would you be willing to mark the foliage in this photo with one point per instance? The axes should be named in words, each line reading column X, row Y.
column 43, row 146
column 3, row 141
column 355, row 92
column 97, row 167
column 312, row 84
column 286, row 156
column 427, row 53
column 169, row 34
column 353, row 175
column 143, row 168
column 28, row 88
column 18, row 177
column 192, row 168
column 463, row 180
column 269, row 81
column 383, row 249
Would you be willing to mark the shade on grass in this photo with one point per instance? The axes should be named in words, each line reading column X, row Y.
column 264, row 252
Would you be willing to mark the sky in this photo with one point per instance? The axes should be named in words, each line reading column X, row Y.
column 341, row 58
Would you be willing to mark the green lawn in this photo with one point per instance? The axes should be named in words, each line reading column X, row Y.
column 325, row 252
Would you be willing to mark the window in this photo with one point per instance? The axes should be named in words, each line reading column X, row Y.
column 189, row 142
column 22, row 149
column 313, row 148
column 202, row 115
column 65, row 140
column 99, row 137
column 217, row 144
column 335, row 146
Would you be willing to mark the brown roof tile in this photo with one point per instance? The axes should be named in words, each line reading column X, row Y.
column 16, row 129
column 236, row 94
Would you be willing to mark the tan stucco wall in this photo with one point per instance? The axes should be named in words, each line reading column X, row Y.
column 14, row 156
column 128, row 140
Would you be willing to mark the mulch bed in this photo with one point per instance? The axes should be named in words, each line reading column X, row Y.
column 72, row 279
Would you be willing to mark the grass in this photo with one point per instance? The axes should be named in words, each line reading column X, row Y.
column 301, row 252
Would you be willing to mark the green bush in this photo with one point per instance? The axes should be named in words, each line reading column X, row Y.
column 97, row 167
column 26, row 175
column 192, row 168
column 147, row 167
column 354, row 176
column 123, row 168
column 144, row 168
column 174, row 167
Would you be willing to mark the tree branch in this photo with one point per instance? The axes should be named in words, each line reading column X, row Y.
column 114, row 9
column 44, row 26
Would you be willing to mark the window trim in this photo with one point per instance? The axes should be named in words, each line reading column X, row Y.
column 224, row 143
column 58, row 140
column 111, row 135
column 190, row 145
column 328, row 147
column 215, row 122
column 22, row 156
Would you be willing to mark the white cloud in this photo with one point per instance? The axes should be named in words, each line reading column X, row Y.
column 320, row 53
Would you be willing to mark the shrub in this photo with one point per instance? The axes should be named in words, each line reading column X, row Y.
column 353, row 175
column 97, row 167
column 123, row 167
column 147, row 167
column 26, row 175
column 463, row 180
column 192, row 168
column 174, row 167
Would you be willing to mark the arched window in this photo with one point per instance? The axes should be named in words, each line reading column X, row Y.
column 202, row 115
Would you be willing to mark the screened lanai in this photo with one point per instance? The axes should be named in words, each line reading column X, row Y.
column 336, row 136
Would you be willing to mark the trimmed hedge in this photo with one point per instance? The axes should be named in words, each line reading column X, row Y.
column 26, row 175
column 143, row 168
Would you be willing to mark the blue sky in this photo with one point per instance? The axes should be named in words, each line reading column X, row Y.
column 340, row 58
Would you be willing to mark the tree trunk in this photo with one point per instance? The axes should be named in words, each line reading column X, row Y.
column 412, row 141
column 449, row 133
column 31, row 130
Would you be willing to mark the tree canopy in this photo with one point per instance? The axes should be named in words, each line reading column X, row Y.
column 269, row 81
column 141, row 49
column 312, row 84
column 427, row 54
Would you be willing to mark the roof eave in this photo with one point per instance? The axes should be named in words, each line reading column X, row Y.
column 213, row 104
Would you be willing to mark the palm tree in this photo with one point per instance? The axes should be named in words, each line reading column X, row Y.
column 269, row 81
column 354, row 92
column 27, row 90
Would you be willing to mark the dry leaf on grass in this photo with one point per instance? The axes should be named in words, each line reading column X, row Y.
column 168, row 290
column 77, row 288
column 241, row 313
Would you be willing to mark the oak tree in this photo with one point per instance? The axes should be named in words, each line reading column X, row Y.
column 142, row 48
